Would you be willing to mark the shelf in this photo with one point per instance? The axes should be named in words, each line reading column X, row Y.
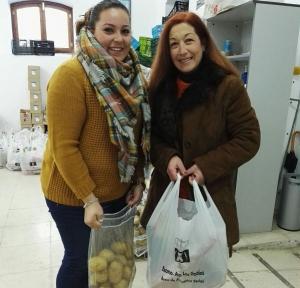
column 240, row 57
column 241, row 13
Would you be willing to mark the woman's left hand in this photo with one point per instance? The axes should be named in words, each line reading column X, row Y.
column 194, row 173
column 135, row 195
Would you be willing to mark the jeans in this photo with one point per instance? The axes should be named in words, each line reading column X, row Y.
column 75, row 235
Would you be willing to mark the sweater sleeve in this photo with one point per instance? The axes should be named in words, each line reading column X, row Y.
column 243, row 135
column 66, row 113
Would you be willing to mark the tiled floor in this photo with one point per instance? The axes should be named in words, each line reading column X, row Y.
column 31, row 251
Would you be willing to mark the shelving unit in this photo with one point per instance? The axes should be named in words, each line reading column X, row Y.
column 244, row 57
column 264, row 37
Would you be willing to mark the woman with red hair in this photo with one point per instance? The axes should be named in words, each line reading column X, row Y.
column 203, row 125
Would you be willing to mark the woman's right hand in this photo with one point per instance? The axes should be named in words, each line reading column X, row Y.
column 93, row 212
column 175, row 166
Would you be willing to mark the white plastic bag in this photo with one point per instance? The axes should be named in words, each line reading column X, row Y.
column 187, row 244
column 111, row 256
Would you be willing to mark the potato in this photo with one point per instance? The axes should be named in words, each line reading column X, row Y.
column 136, row 220
column 140, row 209
column 130, row 263
column 129, row 251
column 119, row 247
column 141, row 230
column 121, row 258
column 102, row 276
column 97, row 264
column 92, row 279
column 115, row 272
column 136, row 232
column 127, row 272
column 122, row 284
column 105, row 285
column 107, row 254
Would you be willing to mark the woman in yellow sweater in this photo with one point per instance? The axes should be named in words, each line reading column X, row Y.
column 98, row 134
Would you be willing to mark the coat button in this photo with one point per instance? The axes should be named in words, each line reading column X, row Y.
column 187, row 144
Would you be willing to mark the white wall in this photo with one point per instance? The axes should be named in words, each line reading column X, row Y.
column 13, row 79
column 144, row 15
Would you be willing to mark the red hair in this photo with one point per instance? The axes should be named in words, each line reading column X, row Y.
column 162, row 65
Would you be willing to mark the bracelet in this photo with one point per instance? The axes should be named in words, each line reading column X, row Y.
column 141, row 181
column 88, row 203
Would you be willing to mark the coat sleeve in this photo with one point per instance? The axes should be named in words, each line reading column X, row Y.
column 243, row 134
column 66, row 114
column 161, row 153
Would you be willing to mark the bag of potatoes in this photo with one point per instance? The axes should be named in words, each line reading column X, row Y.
column 111, row 258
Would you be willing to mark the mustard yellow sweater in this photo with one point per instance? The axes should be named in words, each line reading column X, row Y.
column 79, row 158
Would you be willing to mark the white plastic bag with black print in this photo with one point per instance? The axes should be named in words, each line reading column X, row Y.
column 111, row 255
column 187, row 244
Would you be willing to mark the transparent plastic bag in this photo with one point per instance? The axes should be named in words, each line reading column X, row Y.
column 3, row 157
column 32, row 156
column 14, row 159
column 140, row 237
column 3, row 149
column 187, row 245
column 31, row 161
column 111, row 256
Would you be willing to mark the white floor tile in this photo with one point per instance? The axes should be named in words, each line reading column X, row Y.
column 28, row 198
column 1, row 233
column 140, row 276
column 25, row 234
column 5, row 203
column 244, row 261
column 27, row 216
column 293, row 276
column 29, row 279
column 264, row 238
column 229, row 284
column 280, row 259
column 3, row 217
column 22, row 258
column 259, row 279
column 54, row 232
column 291, row 235
column 56, row 253
column 296, row 249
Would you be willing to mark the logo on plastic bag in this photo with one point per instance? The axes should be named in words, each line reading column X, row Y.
column 182, row 254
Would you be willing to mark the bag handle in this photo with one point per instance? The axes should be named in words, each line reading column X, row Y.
column 199, row 200
column 165, row 200
column 210, row 200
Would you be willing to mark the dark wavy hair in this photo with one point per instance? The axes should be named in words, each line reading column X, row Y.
column 163, row 66
column 92, row 15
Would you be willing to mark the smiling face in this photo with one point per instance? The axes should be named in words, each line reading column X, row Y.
column 112, row 31
column 185, row 47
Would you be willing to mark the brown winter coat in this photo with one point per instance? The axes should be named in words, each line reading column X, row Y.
column 218, row 136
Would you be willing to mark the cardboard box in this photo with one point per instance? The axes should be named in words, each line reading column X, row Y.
column 26, row 126
column 34, row 72
column 25, row 117
column 34, row 85
column 40, row 126
column 45, row 118
column 36, row 107
column 35, row 97
column 37, row 118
